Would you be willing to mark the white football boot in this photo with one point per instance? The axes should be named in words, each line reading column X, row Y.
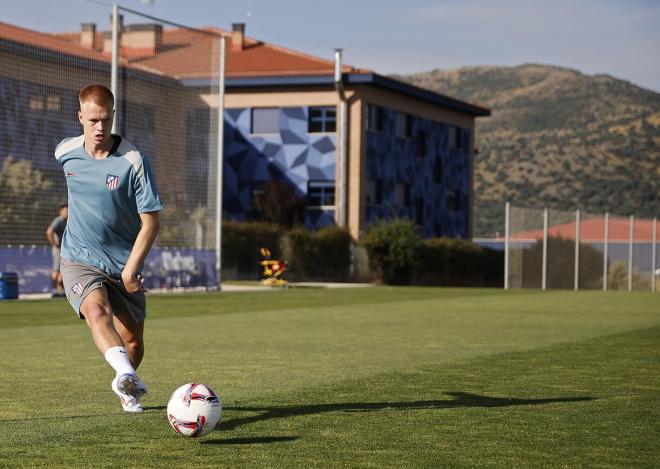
column 129, row 388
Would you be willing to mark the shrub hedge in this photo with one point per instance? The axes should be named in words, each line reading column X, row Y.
column 396, row 254
column 241, row 242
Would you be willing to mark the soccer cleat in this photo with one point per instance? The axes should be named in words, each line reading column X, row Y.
column 130, row 404
column 130, row 384
column 122, row 385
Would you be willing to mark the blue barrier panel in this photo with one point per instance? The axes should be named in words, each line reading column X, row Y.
column 164, row 267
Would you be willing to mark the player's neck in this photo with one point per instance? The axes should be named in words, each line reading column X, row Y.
column 101, row 150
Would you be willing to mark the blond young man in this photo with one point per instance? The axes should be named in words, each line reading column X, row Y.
column 113, row 222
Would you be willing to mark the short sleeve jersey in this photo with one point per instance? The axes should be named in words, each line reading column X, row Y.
column 58, row 226
column 106, row 197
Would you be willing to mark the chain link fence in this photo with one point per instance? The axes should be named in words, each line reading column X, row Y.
column 167, row 99
column 552, row 249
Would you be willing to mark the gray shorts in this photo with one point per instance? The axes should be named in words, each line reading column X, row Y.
column 80, row 280
column 56, row 258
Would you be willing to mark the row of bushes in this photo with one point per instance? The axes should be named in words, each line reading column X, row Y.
column 398, row 255
column 395, row 254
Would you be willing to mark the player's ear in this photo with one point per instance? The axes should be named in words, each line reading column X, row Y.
column 80, row 119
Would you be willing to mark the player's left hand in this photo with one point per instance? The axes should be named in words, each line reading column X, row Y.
column 133, row 282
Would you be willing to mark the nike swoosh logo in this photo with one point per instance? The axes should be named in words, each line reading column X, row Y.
column 70, row 174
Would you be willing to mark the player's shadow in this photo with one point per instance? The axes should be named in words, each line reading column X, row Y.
column 155, row 407
column 257, row 440
column 460, row 399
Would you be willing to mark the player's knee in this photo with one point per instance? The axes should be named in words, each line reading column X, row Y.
column 97, row 314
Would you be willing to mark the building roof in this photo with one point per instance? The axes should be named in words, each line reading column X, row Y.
column 593, row 230
column 192, row 57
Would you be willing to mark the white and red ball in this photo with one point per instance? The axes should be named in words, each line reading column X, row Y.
column 194, row 410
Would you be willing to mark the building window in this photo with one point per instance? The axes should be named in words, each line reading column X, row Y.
column 437, row 170
column 402, row 191
column 265, row 120
column 53, row 103
column 369, row 191
column 37, row 103
column 321, row 194
column 257, row 194
column 403, row 125
column 420, row 143
column 455, row 141
column 419, row 211
column 322, row 119
column 453, row 201
column 375, row 118
column 378, row 192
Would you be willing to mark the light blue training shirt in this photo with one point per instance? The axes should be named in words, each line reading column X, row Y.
column 105, row 199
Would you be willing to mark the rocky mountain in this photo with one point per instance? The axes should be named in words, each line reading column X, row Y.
column 558, row 138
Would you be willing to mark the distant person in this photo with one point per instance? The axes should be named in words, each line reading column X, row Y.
column 112, row 225
column 54, row 234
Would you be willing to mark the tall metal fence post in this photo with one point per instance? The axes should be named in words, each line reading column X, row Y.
column 605, row 249
column 653, row 253
column 544, row 273
column 507, row 210
column 631, row 233
column 220, row 163
column 114, row 67
column 577, row 250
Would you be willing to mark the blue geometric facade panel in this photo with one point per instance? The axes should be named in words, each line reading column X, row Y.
column 423, row 176
column 291, row 155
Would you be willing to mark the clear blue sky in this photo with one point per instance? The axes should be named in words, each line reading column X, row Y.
column 617, row 37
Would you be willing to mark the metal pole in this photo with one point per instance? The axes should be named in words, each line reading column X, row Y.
column 631, row 232
column 342, row 137
column 577, row 250
column 114, row 67
column 655, row 223
column 220, row 163
column 507, row 209
column 544, row 274
column 606, row 249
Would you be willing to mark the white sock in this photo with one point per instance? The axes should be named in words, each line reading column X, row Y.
column 117, row 357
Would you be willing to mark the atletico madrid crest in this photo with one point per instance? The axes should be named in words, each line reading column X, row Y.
column 111, row 182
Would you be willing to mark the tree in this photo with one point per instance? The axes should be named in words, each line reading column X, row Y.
column 27, row 204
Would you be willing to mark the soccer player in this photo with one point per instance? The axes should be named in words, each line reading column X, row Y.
column 113, row 222
column 54, row 234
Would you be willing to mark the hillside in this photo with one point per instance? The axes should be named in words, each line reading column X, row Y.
column 558, row 138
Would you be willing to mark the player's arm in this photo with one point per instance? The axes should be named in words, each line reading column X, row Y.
column 145, row 239
column 50, row 234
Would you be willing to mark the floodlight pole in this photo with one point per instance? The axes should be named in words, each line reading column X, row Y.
column 114, row 67
column 219, row 163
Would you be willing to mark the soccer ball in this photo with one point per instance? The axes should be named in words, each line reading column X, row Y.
column 194, row 410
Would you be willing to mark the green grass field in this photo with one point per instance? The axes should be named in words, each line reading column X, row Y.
column 377, row 377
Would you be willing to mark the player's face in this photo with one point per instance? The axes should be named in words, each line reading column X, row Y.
column 96, row 121
column 64, row 213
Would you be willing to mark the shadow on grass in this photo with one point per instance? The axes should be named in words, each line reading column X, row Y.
column 155, row 407
column 147, row 410
column 250, row 441
column 461, row 399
